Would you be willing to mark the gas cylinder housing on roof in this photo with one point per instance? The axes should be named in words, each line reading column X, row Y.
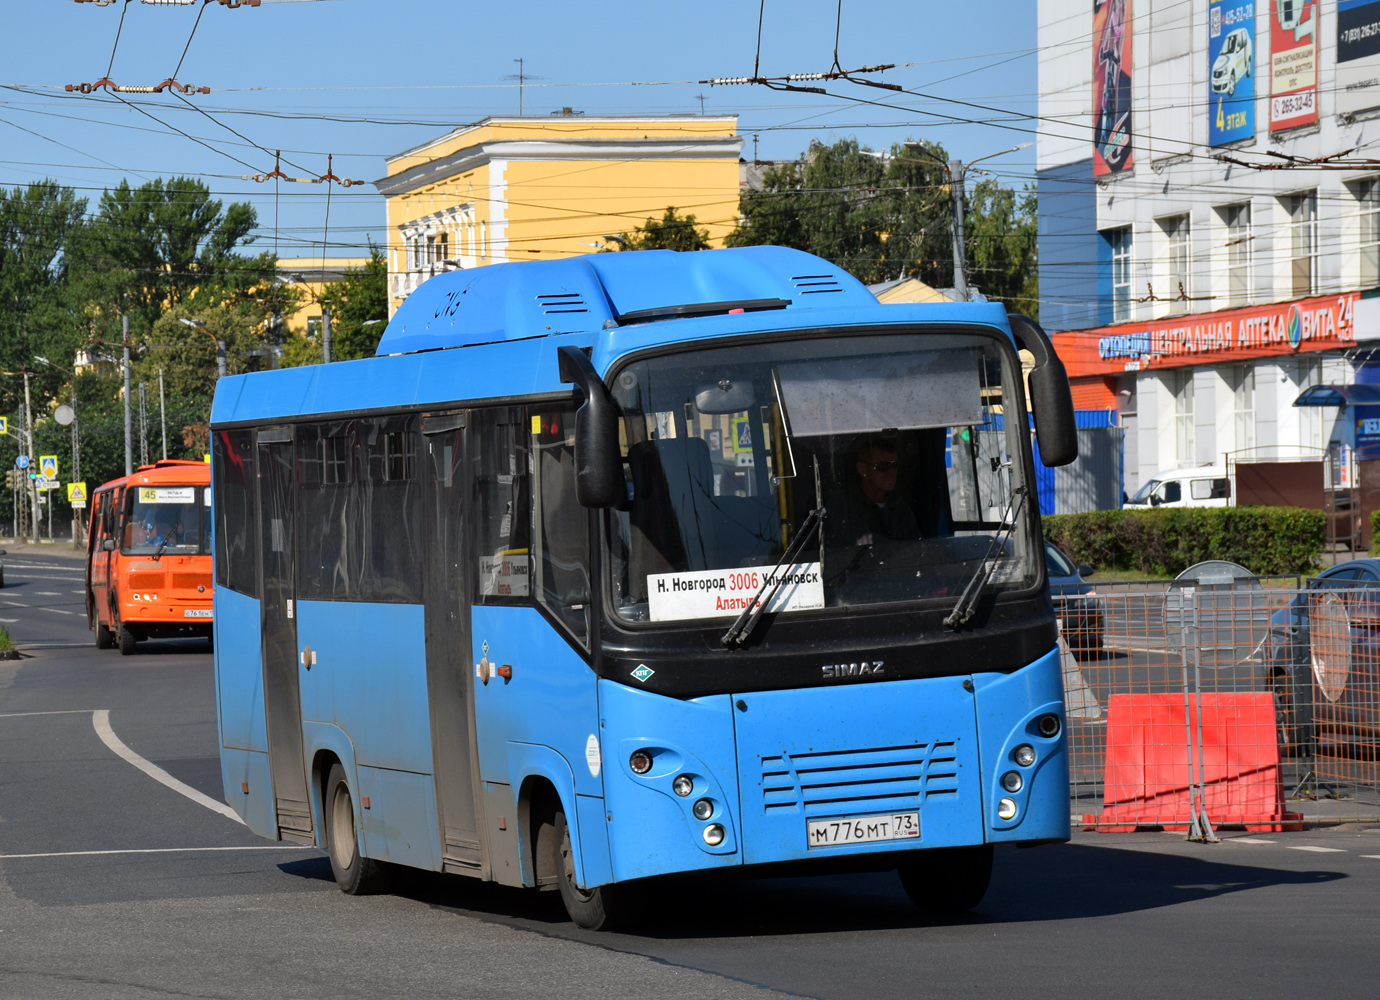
column 591, row 292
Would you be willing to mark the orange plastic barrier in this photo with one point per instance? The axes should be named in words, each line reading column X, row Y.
column 1146, row 779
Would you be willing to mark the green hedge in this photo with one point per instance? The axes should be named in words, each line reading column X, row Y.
column 1375, row 532
column 1266, row 540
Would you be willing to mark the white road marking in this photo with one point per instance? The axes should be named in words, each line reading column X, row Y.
column 101, row 720
column 1372, row 857
column 58, row 611
column 1320, row 850
column 9, row 621
column 46, row 593
column 160, row 850
column 15, row 604
column 1249, row 840
column 61, row 711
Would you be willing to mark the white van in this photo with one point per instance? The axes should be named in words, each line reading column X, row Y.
column 1206, row 486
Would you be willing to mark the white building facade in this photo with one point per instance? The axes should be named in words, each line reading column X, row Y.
column 1209, row 223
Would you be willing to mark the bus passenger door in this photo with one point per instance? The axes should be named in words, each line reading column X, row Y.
column 450, row 682
column 282, row 701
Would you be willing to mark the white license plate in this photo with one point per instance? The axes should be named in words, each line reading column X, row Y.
column 863, row 829
column 196, row 613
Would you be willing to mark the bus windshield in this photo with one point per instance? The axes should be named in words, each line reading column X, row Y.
column 173, row 519
column 900, row 440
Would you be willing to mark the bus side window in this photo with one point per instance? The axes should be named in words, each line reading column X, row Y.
column 561, row 536
column 386, row 517
column 499, row 466
column 235, row 509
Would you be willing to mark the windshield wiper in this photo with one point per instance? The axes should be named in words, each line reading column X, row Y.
column 159, row 551
column 967, row 601
column 739, row 631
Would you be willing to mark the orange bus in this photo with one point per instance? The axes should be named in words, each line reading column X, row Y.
column 148, row 556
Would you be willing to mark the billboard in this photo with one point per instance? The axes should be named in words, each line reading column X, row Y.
column 1358, row 55
column 1111, row 87
column 1231, row 71
column 1293, row 63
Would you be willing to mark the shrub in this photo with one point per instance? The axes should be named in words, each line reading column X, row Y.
column 1266, row 540
column 6, row 643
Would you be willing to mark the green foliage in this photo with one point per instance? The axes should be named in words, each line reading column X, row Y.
column 670, row 232
column 359, row 308
column 6, row 643
column 999, row 232
column 878, row 218
column 1266, row 540
column 1375, row 532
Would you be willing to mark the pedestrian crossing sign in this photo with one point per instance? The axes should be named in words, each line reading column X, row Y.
column 76, row 492
column 4, row 425
column 47, row 466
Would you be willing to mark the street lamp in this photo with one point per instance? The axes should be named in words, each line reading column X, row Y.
column 958, row 172
column 197, row 324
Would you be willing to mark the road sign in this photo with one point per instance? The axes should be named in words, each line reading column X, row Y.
column 46, row 484
column 4, row 425
column 76, row 493
column 47, row 466
column 22, row 461
column 79, row 505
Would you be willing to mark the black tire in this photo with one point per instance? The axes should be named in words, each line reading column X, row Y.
column 105, row 639
column 945, row 881
column 1231, row 85
column 605, row 908
column 355, row 874
column 126, row 638
column 2, row 577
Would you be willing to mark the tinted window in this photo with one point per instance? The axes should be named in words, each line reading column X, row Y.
column 562, row 526
column 236, row 529
column 1173, row 491
column 1056, row 564
column 500, row 463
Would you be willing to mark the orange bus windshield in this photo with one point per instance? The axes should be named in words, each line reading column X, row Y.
column 173, row 519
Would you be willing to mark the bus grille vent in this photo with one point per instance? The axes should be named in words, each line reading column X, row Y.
column 146, row 581
column 859, row 781
column 571, row 302
column 190, row 581
column 815, row 284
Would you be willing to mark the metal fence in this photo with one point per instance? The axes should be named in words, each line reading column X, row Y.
column 1222, row 701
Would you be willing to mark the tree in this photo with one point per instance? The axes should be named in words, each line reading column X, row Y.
column 1000, row 233
column 671, row 232
column 359, row 308
column 878, row 217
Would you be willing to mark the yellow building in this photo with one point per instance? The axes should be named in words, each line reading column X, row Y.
column 311, row 275
column 543, row 188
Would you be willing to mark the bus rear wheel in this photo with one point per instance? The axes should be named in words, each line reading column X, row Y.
column 127, row 639
column 356, row 875
column 605, row 908
column 947, row 880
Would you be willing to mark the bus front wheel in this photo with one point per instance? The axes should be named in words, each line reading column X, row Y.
column 356, row 875
column 604, row 908
column 947, row 880
column 105, row 639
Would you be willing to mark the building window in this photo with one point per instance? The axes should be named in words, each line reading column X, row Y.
column 442, row 247
column 1120, row 242
column 1182, row 386
column 1368, row 200
column 1176, row 231
column 1242, row 382
column 1303, row 242
column 1239, row 238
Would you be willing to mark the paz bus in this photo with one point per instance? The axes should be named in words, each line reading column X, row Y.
column 148, row 556
column 576, row 585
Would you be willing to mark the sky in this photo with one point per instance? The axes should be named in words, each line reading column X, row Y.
column 360, row 80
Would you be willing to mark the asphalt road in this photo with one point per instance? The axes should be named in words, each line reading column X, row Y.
column 114, row 885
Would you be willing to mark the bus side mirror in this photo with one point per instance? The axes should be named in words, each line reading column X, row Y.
column 108, row 545
column 598, row 466
column 1050, row 398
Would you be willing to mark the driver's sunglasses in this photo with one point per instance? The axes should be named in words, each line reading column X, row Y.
column 885, row 466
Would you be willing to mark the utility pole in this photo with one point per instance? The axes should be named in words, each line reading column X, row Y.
column 960, row 250
column 29, row 433
column 163, row 414
column 129, row 429
column 143, row 424
column 325, row 333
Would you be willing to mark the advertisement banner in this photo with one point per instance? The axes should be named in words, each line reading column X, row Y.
column 1293, row 63
column 1231, row 71
column 1358, row 55
column 1321, row 323
column 1111, row 87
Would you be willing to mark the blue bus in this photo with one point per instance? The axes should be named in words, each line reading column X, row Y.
column 649, row 564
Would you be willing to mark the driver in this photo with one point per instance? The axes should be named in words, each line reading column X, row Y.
column 875, row 508
column 160, row 528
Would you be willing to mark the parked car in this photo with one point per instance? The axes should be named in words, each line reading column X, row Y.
column 1075, row 602
column 1233, row 62
column 1205, row 486
column 1330, row 696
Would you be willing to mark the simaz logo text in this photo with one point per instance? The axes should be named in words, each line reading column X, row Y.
column 839, row 671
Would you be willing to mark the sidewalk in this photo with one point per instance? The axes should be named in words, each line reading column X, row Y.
column 60, row 548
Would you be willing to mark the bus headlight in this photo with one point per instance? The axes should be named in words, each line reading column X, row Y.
column 640, row 762
column 683, row 786
column 1012, row 781
column 703, row 809
column 1024, row 755
column 1048, row 726
column 1006, row 809
column 713, row 835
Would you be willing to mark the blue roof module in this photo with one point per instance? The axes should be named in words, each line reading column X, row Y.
column 596, row 291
